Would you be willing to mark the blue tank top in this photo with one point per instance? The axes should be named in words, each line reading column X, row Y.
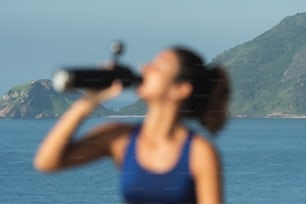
column 142, row 186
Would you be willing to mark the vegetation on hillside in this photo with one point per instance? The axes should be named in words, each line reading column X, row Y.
column 269, row 73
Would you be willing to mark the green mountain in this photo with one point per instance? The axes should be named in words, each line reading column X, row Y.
column 38, row 99
column 268, row 77
column 136, row 108
column 268, row 73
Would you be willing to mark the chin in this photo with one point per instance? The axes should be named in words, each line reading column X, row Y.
column 139, row 91
column 143, row 94
column 148, row 93
column 139, row 94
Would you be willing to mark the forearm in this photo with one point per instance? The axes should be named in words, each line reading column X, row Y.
column 51, row 154
column 51, row 151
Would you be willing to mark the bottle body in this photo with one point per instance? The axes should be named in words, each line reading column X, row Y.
column 92, row 78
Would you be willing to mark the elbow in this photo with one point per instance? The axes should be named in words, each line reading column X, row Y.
column 44, row 166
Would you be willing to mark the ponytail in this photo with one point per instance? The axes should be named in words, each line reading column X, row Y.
column 215, row 114
column 211, row 89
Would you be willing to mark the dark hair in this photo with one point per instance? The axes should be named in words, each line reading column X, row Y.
column 209, row 98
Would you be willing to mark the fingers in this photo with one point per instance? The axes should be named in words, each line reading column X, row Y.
column 114, row 90
column 109, row 65
column 98, row 96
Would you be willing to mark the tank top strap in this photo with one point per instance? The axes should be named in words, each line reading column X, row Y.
column 186, row 152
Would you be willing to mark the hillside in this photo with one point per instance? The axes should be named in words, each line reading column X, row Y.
column 268, row 77
column 269, row 73
column 38, row 99
column 137, row 108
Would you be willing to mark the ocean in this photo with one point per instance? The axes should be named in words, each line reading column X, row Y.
column 264, row 161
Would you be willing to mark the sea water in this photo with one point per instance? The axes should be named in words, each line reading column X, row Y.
column 264, row 161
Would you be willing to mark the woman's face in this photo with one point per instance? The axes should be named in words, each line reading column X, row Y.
column 158, row 76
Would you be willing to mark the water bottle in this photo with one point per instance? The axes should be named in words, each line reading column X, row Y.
column 84, row 77
column 92, row 78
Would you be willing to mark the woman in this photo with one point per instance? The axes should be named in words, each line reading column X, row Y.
column 161, row 160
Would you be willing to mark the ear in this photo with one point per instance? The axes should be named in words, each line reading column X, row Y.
column 181, row 91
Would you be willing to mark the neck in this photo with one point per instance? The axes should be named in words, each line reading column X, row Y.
column 161, row 122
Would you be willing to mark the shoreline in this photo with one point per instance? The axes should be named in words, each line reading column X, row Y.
column 272, row 117
column 125, row 116
column 143, row 116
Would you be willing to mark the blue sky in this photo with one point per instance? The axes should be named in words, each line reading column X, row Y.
column 38, row 36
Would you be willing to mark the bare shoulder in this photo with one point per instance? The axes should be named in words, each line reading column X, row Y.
column 202, row 146
column 204, row 155
column 206, row 171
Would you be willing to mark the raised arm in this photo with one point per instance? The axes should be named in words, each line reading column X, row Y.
column 57, row 151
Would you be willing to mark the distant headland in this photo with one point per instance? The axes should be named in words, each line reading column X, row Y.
column 268, row 76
